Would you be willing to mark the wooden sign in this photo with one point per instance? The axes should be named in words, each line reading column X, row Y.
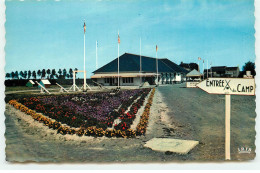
column 228, row 86
column 231, row 86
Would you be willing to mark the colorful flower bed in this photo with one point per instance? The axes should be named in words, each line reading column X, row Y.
column 66, row 117
column 128, row 118
column 83, row 110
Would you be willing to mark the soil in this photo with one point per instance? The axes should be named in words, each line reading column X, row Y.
column 177, row 112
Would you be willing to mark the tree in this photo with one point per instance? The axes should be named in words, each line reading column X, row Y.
column 39, row 73
column 12, row 75
column 21, row 74
column 70, row 73
column 249, row 66
column 43, row 73
column 16, row 75
column 68, row 76
column 7, row 75
column 34, row 74
column 24, row 74
column 64, row 73
column 29, row 74
column 53, row 73
column 48, row 72
column 60, row 72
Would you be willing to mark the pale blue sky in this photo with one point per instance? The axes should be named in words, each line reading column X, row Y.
column 49, row 34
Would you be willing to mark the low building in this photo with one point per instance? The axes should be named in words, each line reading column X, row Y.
column 222, row 71
column 193, row 78
column 130, row 74
column 30, row 83
column 232, row 72
column 45, row 83
column 248, row 75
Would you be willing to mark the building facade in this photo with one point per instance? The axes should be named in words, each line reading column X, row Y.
column 222, row 71
column 131, row 73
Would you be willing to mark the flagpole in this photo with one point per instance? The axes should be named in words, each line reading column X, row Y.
column 84, row 85
column 140, row 63
column 118, row 63
column 211, row 68
column 207, row 70
column 198, row 64
column 156, row 67
column 203, row 69
column 96, row 56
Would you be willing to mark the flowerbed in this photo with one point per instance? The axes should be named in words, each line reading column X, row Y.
column 83, row 110
column 69, row 118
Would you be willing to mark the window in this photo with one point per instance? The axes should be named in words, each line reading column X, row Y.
column 109, row 80
column 128, row 80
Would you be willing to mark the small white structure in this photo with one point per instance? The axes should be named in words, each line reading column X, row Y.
column 171, row 145
column 193, row 78
column 45, row 82
column 248, row 75
column 31, row 82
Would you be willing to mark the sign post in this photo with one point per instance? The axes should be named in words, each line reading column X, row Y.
column 227, row 126
column 228, row 87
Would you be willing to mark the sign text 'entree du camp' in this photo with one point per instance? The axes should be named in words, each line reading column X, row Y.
column 233, row 86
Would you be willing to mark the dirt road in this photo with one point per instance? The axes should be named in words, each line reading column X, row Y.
column 201, row 117
column 177, row 112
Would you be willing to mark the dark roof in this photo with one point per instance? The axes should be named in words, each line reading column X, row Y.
column 231, row 68
column 174, row 66
column 131, row 63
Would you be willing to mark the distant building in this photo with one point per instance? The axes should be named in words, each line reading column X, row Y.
column 189, row 66
column 45, row 83
column 30, row 83
column 130, row 74
column 222, row 71
column 232, row 72
column 248, row 75
column 193, row 78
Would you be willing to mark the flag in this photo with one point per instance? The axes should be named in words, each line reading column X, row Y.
column 84, row 27
column 118, row 39
column 156, row 48
column 199, row 58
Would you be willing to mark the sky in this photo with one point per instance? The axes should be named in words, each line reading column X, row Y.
column 48, row 34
